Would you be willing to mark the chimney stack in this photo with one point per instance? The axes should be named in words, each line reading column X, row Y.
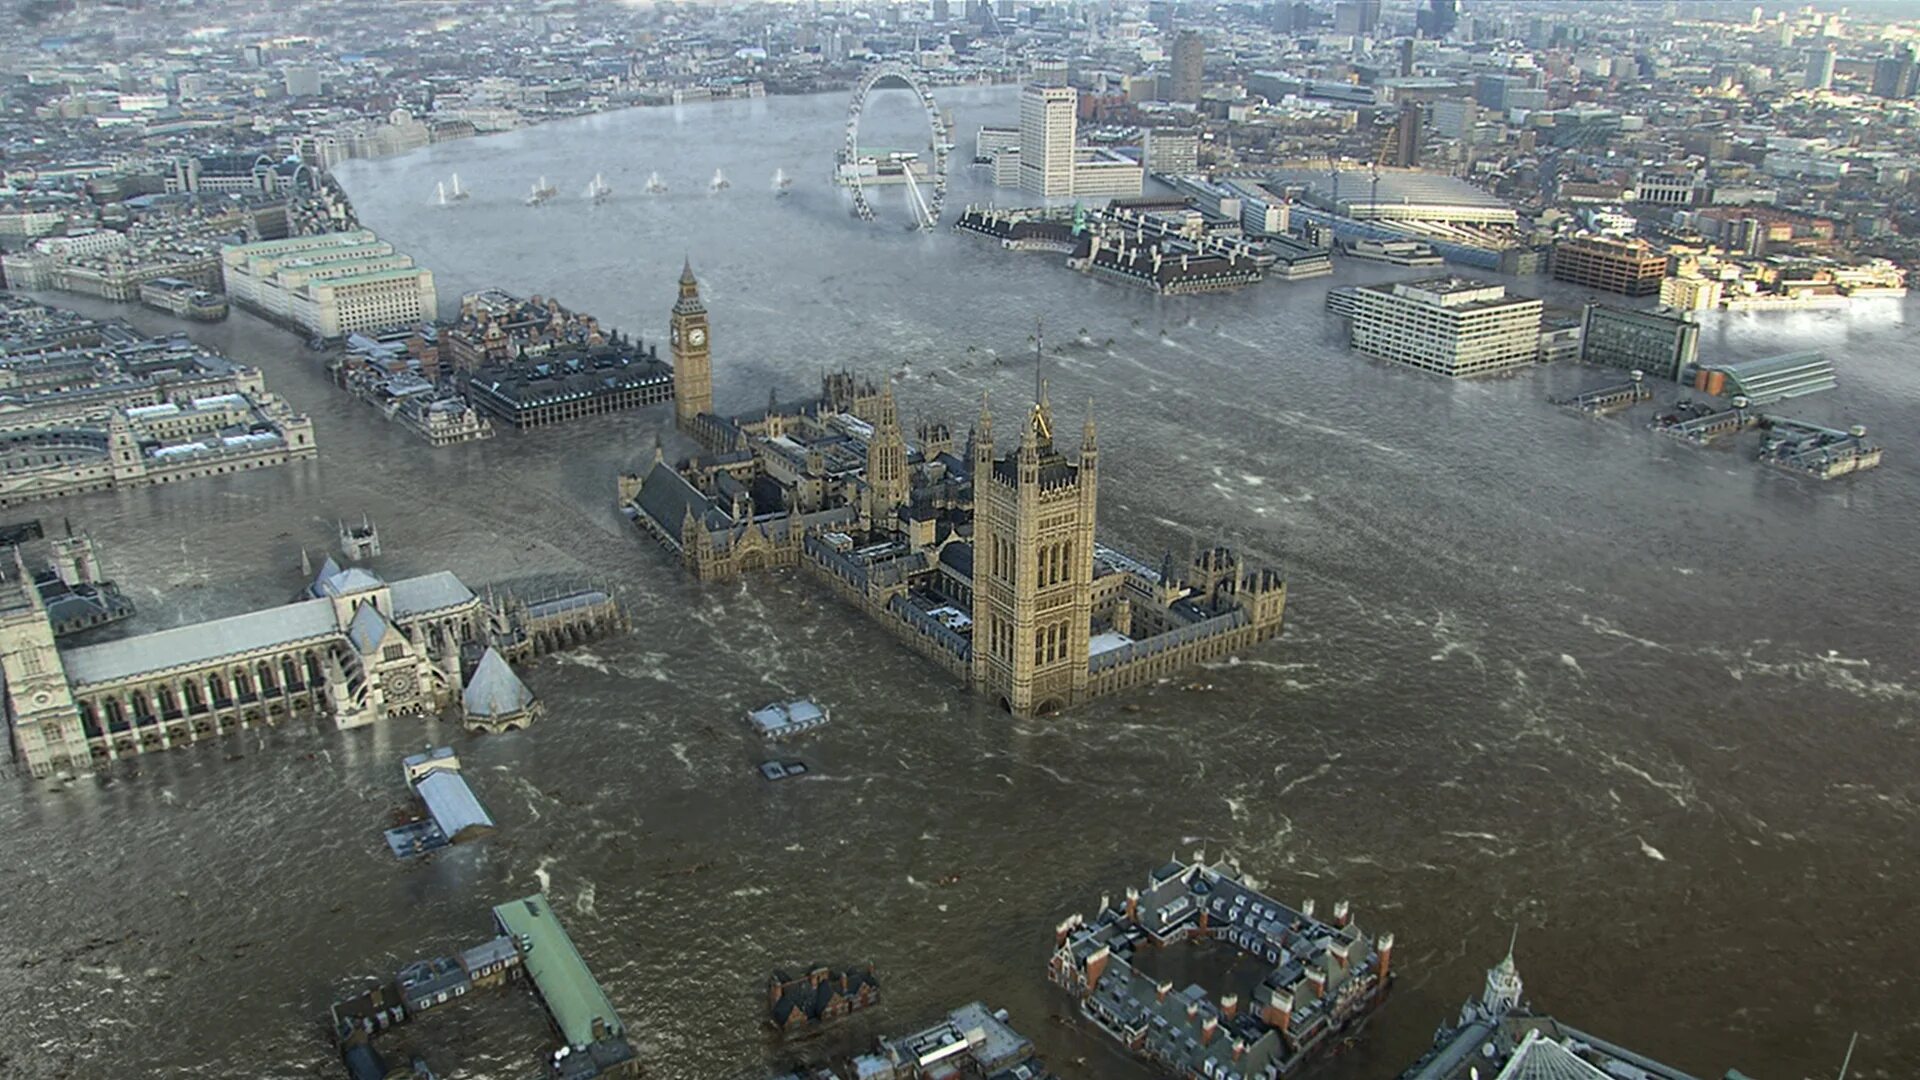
column 1279, row 1010
column 1133, row 904
column 1239, row 1047
column 1230, row 1006
column 1317, row 981
column 1342, row 913
column 1384, row 946
column 1208, row 1030
column 1193, row 1011
column 1306, row 907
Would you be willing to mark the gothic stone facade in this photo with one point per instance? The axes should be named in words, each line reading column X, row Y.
column 358, row 649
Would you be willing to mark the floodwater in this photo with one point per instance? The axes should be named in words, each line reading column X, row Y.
column 1653, row 704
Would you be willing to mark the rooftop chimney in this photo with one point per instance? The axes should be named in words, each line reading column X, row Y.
column 1230, row 1006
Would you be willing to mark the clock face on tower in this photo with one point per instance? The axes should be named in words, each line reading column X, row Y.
column 697, row 336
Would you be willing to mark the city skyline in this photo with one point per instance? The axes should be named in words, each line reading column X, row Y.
column 1588, row 663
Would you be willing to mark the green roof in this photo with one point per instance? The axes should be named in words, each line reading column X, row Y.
column 572, row 996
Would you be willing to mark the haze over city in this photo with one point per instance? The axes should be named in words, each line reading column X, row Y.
column 960, row 540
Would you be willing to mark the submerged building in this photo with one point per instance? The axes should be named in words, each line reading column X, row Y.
column 1663, row 343
column 530, row 945
column 982, row 556
column 92, row 406
column 1499, row 1036
column 355, row 649
column 1322, row 978
column 1447, row 325
column 971, row 1042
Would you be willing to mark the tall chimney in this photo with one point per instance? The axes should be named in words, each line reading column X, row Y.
column 1342, row 914
column 1208, row 1030
column 1306, row 907
column 1193, row 1011
column 1317, row 981
column 1230, row 1006
column 1133, row 904
column 1239, row 1047
column 1384, row 946
column 1161, row 990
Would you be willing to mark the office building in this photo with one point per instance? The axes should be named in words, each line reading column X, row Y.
column 1628, row 267
column 1691, row 293
column 1189, row 68
column 1448, row 325
column 302, row 81
column 1106, row 172
column 1049, row 71
column 330, row 285
column 1661, row 343
column 1403, row 145
column 1454, row 118
column 1356, row 16
column 1819, row 71
column 1049, row 128
column 1438, row 18
column 1894, row 76
column 1170, row 151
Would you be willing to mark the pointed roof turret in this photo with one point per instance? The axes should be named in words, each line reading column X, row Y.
column 494, row 690
column 328, row 570
column 1088, row 443
column 368, row 629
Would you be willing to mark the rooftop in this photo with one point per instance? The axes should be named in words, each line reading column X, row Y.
column 572, row 996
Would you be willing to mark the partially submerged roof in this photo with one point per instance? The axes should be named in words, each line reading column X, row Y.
column 428, row 593
column 200, row 643
column 452, row 803
column 573, row 997
column 494, row 689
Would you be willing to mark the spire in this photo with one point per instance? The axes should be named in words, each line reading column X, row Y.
column 1088, row 444
column 1511, row 942
column 686, row 272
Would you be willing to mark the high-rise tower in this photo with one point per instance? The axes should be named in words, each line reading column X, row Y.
column 1033, row 565
column 692, row 353
column 1049, row 127
column 1189, row 67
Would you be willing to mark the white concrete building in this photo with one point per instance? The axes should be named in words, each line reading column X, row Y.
column 1049, row 128
column 1448, row 325
column 330, row 285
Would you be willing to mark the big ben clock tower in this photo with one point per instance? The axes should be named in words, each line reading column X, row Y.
column 692, row 355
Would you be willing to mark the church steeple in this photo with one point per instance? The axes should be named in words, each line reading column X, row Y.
column 1502, row 994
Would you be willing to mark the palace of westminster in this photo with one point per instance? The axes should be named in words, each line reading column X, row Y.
column 986, row 562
